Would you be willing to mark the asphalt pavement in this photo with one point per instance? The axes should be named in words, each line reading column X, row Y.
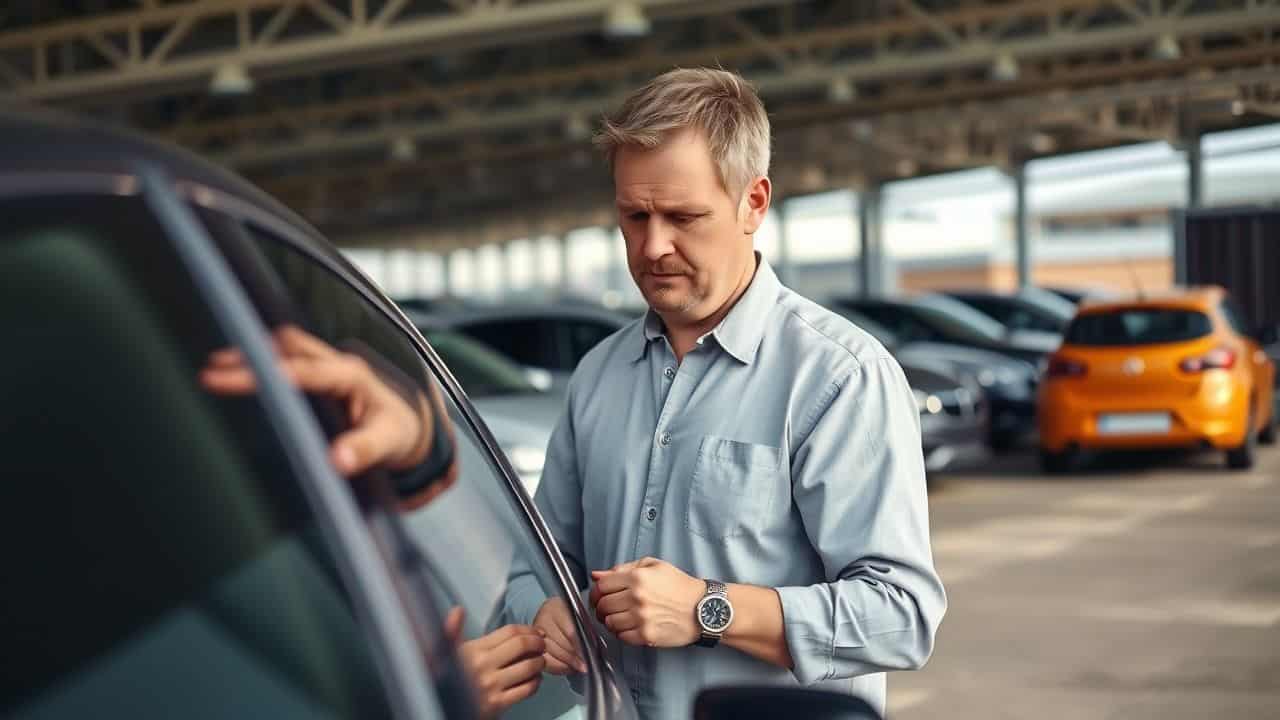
column 1145, row 586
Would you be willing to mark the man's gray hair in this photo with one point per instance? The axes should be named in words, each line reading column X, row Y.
column 719, row 103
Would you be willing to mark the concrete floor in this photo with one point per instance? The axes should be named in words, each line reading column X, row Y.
column 1145, row 586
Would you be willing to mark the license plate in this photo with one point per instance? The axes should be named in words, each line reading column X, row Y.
column 1135, row 424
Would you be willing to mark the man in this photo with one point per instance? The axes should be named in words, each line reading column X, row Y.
column 739, row 475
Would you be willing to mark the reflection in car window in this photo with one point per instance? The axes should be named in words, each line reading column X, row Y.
column 160, row 558
column 471, row 534
column 481, row 371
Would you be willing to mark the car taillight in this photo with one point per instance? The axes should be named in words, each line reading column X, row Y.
column 1216, row 359
column 1063, row 368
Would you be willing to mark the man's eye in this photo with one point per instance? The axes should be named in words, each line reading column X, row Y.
column 638, row 216
column 684, row 219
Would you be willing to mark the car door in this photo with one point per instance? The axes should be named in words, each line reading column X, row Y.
column 482, row 530
column 165, row 556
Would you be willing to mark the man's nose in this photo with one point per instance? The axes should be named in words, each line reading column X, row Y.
column 657, row 240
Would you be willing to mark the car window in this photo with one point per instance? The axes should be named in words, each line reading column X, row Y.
column 527, row 341
column 1138, row 326
column 584, row 335
column 482, row 371
column 957, row 320
column 1235, row 318
column 160, row 557
column 905, row 327
column 470, row 536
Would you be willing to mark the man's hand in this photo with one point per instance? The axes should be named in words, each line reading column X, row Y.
column 556, row 623
column 504, row 666
column 385, row 430
column 648, row 603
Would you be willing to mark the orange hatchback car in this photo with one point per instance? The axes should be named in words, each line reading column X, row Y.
column 1181, row 369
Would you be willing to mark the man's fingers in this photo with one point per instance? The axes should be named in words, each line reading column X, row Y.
column 556, row 666
column 611, row 581
column 364, row 446
column 507, row 698
column 453, row 623
column 231, row 380
column 564, row 656
column 226, row 357
column 296, row 341
column 524, row 643
column 615, row 603
column 521, row 672
column 622, row 622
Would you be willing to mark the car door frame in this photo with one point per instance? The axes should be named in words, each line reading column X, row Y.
column 601, row 685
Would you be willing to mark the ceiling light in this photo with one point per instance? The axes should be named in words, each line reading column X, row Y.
column 1167, row 48
column 907, row 167
column 1238, row 108
column 841, row 91
column 231, row 79
column 1005, row 68
column 625, row 20
column 403, row 149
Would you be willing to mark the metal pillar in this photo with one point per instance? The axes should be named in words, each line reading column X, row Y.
column 564, row 263
column 1021, row 230
column 618, row 272
column 1195, row 169
column 870, row 265
column 446, row 273
column 785, row 271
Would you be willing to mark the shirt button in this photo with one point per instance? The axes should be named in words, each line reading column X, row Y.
column 670, row 373
column 652, row 514
column 665, row 439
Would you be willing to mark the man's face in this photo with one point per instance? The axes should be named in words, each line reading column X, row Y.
column 689, row 243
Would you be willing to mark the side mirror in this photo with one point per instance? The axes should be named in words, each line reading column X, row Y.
column 766, row 703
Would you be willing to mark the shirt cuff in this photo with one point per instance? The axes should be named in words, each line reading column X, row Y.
column 807, row 621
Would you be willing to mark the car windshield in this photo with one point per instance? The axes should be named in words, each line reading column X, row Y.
column 1138, row 326
column 481, row 371
column 873, row 328
column 959, row 320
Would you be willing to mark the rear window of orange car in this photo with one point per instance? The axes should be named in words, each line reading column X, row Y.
column 1138, row 326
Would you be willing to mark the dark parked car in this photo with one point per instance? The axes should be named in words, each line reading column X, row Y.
column 940, row 319
column 175, row 551
column 553, row 337
column 1008, row 384
column 1025, row 309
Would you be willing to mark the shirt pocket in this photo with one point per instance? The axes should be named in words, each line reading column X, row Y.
column 732, row 487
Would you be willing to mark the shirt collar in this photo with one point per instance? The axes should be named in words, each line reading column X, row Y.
column 742, row 329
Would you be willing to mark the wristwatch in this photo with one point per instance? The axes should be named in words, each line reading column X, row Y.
column 714, row 613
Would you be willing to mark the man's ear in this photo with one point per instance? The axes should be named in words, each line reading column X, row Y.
column 755, row 204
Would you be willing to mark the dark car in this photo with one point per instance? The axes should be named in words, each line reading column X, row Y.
column 175, row 551
column 940, row 319
column 551, row 337
column 953, row 414
column 1025, row 309
column 1008, row 384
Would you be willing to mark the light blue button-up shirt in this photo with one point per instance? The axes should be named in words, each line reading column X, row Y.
column 784, row 451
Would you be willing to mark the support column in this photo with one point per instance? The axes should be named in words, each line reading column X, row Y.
column 564, row 263
column 1021, row 230
column 1194, row 143
column 785, row 271
column 618, row 273
column 870, row 265
column 446, row 273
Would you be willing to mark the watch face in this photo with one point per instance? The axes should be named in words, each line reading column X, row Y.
column 715, row 614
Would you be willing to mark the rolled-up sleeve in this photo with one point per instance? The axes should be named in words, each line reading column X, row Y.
column 858, row 480
column 559, row 500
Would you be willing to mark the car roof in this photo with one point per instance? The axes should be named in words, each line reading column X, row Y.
column 1196, row 298
column 34, row 139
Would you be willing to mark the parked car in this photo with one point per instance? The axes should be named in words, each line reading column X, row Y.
column 1008, row 384
column 175, row 552
column 1077, row 295
column 953, row 414
column 519, row 412
column 1028, row 308
column 553, row 337
column 1177, row 369
column 940, row 319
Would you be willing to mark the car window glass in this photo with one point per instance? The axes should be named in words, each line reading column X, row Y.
column 160, row 557
column 957, row 319
column 525, row 341
column 482, row 371
column 1138, row 326
column 471, row 535
column 584, row 335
